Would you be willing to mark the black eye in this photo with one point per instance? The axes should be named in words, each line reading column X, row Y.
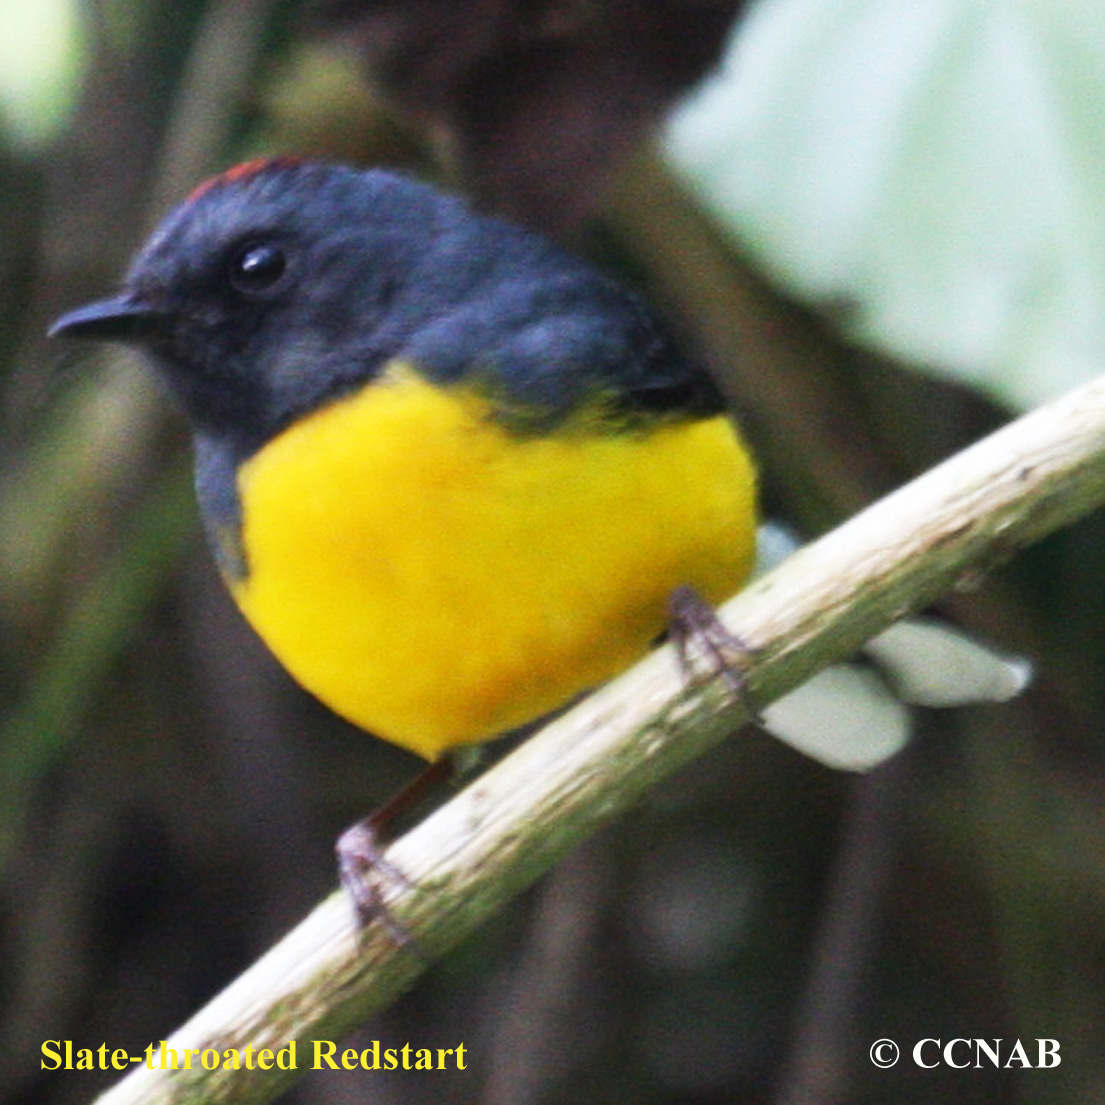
column 257, row 267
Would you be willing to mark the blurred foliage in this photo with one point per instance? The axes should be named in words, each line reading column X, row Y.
column 169, row 799
column 39, row 69
column 934, row 172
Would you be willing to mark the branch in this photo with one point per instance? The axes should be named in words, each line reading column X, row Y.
column 589, row 766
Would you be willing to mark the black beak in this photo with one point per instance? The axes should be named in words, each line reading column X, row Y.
column 124, row 318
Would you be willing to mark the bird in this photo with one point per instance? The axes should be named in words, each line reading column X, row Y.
column 451, row 474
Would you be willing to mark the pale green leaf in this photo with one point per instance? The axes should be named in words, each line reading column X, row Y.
column 937, row 165
column 40, row 58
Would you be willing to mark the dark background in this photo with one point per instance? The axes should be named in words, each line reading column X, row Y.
column 169, row 799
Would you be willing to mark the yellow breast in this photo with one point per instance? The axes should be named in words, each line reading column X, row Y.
column 438, row 580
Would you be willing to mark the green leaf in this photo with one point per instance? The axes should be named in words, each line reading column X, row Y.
column 937, row 167
column 40, row 65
